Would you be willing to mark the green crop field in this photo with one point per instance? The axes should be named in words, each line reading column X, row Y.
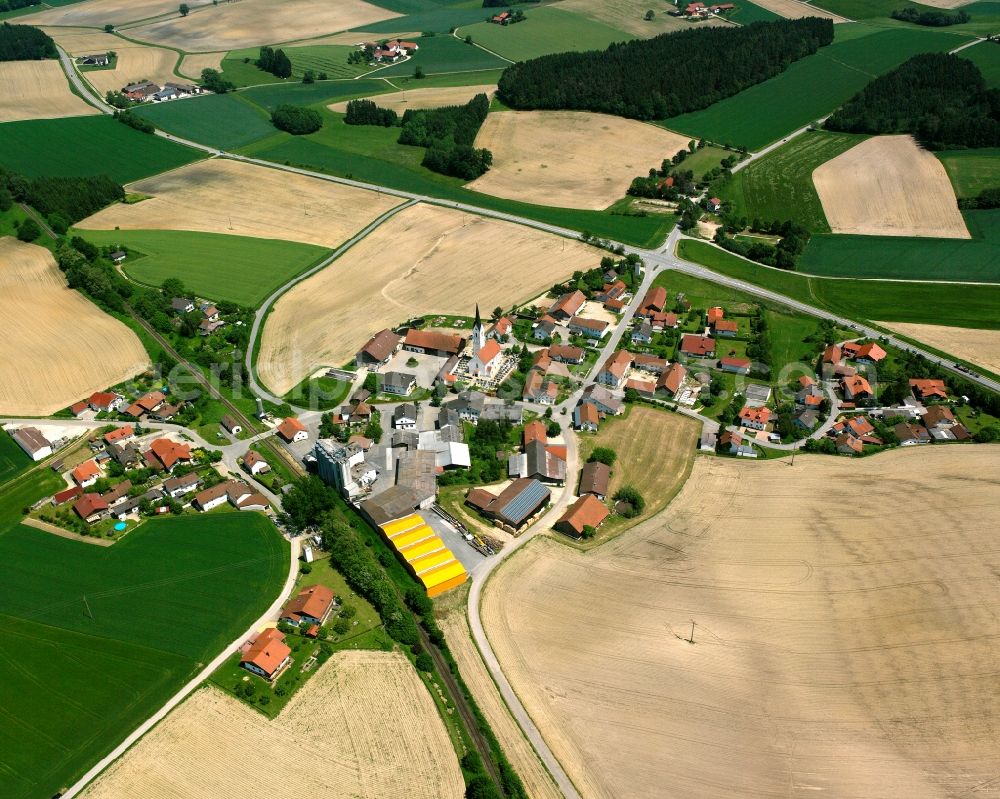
column 13, row 461
column 79, row 675
column 810, row 88
column 779, row 186
column 328, row 58
column 269, row 97
column 986, row 56
column 902, row 258
column 240, row 269
column 909, row 301
column 442, row 54
column 746, row 12
column 546, row 30
column 865, row 9
column 971, row 171
column 93, row 145
column 225, row 121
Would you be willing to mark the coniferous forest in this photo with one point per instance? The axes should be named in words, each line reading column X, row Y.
column 25, row 43
column 939, row 98
column 667, row 75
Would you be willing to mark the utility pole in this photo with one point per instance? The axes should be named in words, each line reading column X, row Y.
column 691, row 639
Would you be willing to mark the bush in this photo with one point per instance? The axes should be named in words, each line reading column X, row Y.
column 604, row 455
column 28, row 230
column 212, row 80
column 296, row 120
column 449, row 134
column 481, row 787
column 425, row 662
column 133, row 121
column 630, row 496
column 341, row 626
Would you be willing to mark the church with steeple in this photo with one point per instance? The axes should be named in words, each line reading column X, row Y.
column 486, row 353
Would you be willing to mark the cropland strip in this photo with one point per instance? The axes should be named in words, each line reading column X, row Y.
column 225, row 196
column 98, row 13
column 844, row 633
column 981, row 347
column 629, row 16
column 362, row 727
column 793, row 9
column 59, row 346
column 37, row 90
column 889, row 186
column 193, row 64
column 570, row 159
column 438, row 263
column 424, row 98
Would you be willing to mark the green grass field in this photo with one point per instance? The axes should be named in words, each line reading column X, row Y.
column 779, row 186
column 269, row 97
column 546, row 30
column 865, row 9
column 746, row 12
column 93, row 145
column 444, row 54
column 215, row 265
column 986, row 56
column 971, row 171
column 161, row 602
column 225, row 121
column 810, row 88
column 909, row 301
column 331, row 59
column 13, row 461
column 436, row 18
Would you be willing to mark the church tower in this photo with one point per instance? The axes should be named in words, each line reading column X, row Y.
column 478, row 334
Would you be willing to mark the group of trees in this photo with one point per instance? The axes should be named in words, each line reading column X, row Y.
column 275, row 62
column 449, row 134
column 987, row 198
column 297, row 120
column 931, row 18
column 25, row 43
column 784, row 254
column 366, row 112
column 667, row 75
column 14, row 5
column 88, row 273
column 126, row 117
column 940, row 98
column 212, row 80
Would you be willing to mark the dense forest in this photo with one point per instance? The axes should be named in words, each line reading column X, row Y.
column 24, row 43
column 62, row 200
column 667, row 75
column 932, row 19
column 14, row 5
column 941, row 99
column 297, row 120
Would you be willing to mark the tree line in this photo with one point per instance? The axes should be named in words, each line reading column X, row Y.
column 62, row 200
column 14, row 5
column 366, row 112
column 986, row 199
column 275, row 62
column 667, row 75
column 784, row 254
column 25, row 43
column 930, row 18
column 939, row 98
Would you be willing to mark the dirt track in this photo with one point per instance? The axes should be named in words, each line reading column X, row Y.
column 363, row 727
column 424, row 260
column 37, row 90
column 980, row 347
column 59, row 347
column 570, row 159
column 889, row 186
column 845, row 641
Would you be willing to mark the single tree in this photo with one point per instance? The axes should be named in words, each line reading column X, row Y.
column 184, row 9
column 649, row 15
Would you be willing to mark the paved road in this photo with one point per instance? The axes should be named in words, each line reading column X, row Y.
column 271, row 614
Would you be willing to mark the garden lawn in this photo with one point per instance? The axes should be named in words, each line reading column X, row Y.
column 13, row 461
column 909, row 301
column 544, row 31
column 225, row 121
column 239, row 269
column 91, row 145
column 971, row 171
column 810, row 88
column 986, row 56
column 79, row 676
column 442, row 54
column 779, row 186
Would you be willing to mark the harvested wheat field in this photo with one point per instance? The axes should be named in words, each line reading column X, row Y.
column 629, row 16
column 220, row 195
column 363, row 727
column 194, row 63
column 845, row 642
column 98, row 13
column 889, row 186
column 229, row 26
column 570, row 159
column 69, row 350
column 443, row 261
column 424, row 98
column 38, row 90
column 135, row 63
column 980, row 347
column 84, row 41
column 793, row 9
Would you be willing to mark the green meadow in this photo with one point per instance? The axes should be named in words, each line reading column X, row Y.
column 13, row 461
column 986, row 56
column 444, row 54
column 225, row 121
column 971, row 171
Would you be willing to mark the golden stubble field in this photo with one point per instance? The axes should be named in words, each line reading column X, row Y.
column 58, row 346
column 98, row 13
column 424, row 98
column 889, row 186
column 423, row 260
column 362, row 727
column 193, row 64
column 845, row 644
column 981, row 347
column 38, row 90
column 224, row 196
column 629, row 16
column 793, row 9
column 569, row 159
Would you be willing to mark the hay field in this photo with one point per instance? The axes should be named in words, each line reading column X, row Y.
column 845, row 641
column 793, row 9
column 627, row 16
column 192, row 65
column 38, row 90
column 424, row 98
column 980, row 347
column 69, row 350
column 570, row 159
column 220, row 195
column 441, row 262
column 135, row 63
column 230, row 26
column 363, row 727
column 889, row 186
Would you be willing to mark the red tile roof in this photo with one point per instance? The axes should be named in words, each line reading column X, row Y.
column 169, row 452
column 727, row 325
column 89, row 504
column 618, row 364
column 64, row 496
column 119, row 434
column 288, row 428
column 534, row 431
column 85, row 471
column 755, row 415
column 925, row 387
column 715, row 315
column 697, row 345
column 313, row 600
column 268, row 651
column 489, row 351
column 568, row 304
column 432, row 340
column 102, row 399
column 655, row 299
column 871, row 352
column 740, row 363
column 673, row 378
column 588, row 511
column 832, row 354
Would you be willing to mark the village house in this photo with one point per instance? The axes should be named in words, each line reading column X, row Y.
column 292, row 430
column 468, row 405
column 713, row 204
column 695, row 10
column 140, row 92
column 147, row 403
column 86, row 473
column 939, row 417
column 230, row 491
column 106, row 401
column 119, row 434
column 615, row 369
column 64, row 496
column 399, row 383
column 589, row 328
column 654, row 302
column 537, row 389
column 863, row 353
column 755, row 418
column 567, row 306
column 739, row 366
column 404, row 417
column 501, row 328
column 165, row 454
column 726, row 328
column 647, row 388
column 91, row 508
column 595, row 477
column 806, row 419
column 735, row 444
column 697, row 346
column 715, row 315
column 566, row 353
column 586, row 417
column 611, row 291
column 671, row 381
column 230, row 424
column 849, row 445
column 35, row 445
column 832, row 355
column 856, row 388
column 606, row 402
column 207, row 327
column 378, row 350
column 539, row 461
column 927, row 389
column 642, row 333
column 650, row 363
column 96, row 60
column 543, row 329
column 117, row 495
column 176, row 487
column 587, row 511
column 79, row 408
column 429, row 342
column 910, row 434
column 254, row 463
column 181, row 305
column 268, row 655
column 209, row 312
column 312, row 605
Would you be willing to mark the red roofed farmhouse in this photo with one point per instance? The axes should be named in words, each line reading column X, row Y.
column 292, row 430
column 697, row 346
column 312, row 606
column 755, row 418
column 168, row 453
column 587, row 511
column 268, row 655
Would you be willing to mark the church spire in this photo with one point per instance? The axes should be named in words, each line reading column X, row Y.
column 477, row 323
column 478, row 333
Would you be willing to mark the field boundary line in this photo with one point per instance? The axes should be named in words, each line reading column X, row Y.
column 38, row 524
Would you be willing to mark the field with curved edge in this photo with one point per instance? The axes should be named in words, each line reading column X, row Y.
column 837, row 646
column 424, row 98
column 980, row 347
column 362, row 727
